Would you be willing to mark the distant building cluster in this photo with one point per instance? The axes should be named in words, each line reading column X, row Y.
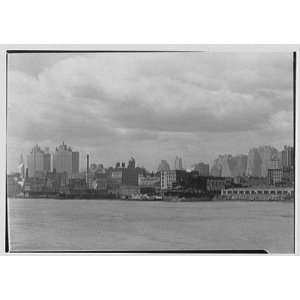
column 262, row 162
column 49, row 174
column 41, row 162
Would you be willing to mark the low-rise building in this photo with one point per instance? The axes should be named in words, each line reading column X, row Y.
column 116, row 177
column 182, row 180
column 202, row 169
column 275, row 176
column 167, row 179
column 149, row 184
column 128, row 190
column 148, row 181
column 262, row 193
column 35, row 184
column 100, row 184
column 77, row 185
column 13, row 185
column 252, row 181
column 215, row 184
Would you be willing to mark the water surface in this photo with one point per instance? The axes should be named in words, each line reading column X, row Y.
column 105, row 225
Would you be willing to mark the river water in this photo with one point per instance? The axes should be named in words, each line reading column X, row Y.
column 113, row 225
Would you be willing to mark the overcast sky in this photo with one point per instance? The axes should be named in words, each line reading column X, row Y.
column 152, row 106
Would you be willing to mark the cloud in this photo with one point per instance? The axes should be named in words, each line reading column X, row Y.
column 106, row 101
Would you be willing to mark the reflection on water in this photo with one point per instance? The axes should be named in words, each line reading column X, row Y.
column 103, row 225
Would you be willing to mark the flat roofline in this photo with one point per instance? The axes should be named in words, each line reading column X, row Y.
column 261, row 188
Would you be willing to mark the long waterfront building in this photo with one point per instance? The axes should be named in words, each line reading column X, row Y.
column 259, row 193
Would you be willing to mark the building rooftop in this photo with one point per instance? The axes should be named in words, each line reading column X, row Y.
column 260, row 188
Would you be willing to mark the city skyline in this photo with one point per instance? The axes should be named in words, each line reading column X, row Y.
column 282, row 156
column 151, row 106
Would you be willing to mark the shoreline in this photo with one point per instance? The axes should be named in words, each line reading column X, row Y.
column 151, row 200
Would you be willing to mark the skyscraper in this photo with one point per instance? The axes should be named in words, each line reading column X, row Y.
column 21, row 167
column 131, row 163
column 178, row 163
column 288, row 162
column 287, row 156
column 35, row 161
column 75, row 163
column 47, row 162
column 259, row 160
column 62, row 159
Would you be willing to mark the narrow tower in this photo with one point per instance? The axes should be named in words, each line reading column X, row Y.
column 87, row 168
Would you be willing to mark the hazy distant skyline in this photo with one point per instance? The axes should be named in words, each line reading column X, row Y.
column 151, row 106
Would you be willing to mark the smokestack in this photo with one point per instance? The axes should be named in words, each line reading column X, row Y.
column 87, row 163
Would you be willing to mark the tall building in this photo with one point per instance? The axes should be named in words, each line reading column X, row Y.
column 47, row 162
column 130, row 176
column 36, row 162
column 229, row 166
column 63, row 159
column 131, row 163
column 75, row 163
column 275, row 171
column 178, row 163
column 287, row 156
column 259, row 160
column 163, row 166
column 21, row 167
column 202, row 169
column 274, row 163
